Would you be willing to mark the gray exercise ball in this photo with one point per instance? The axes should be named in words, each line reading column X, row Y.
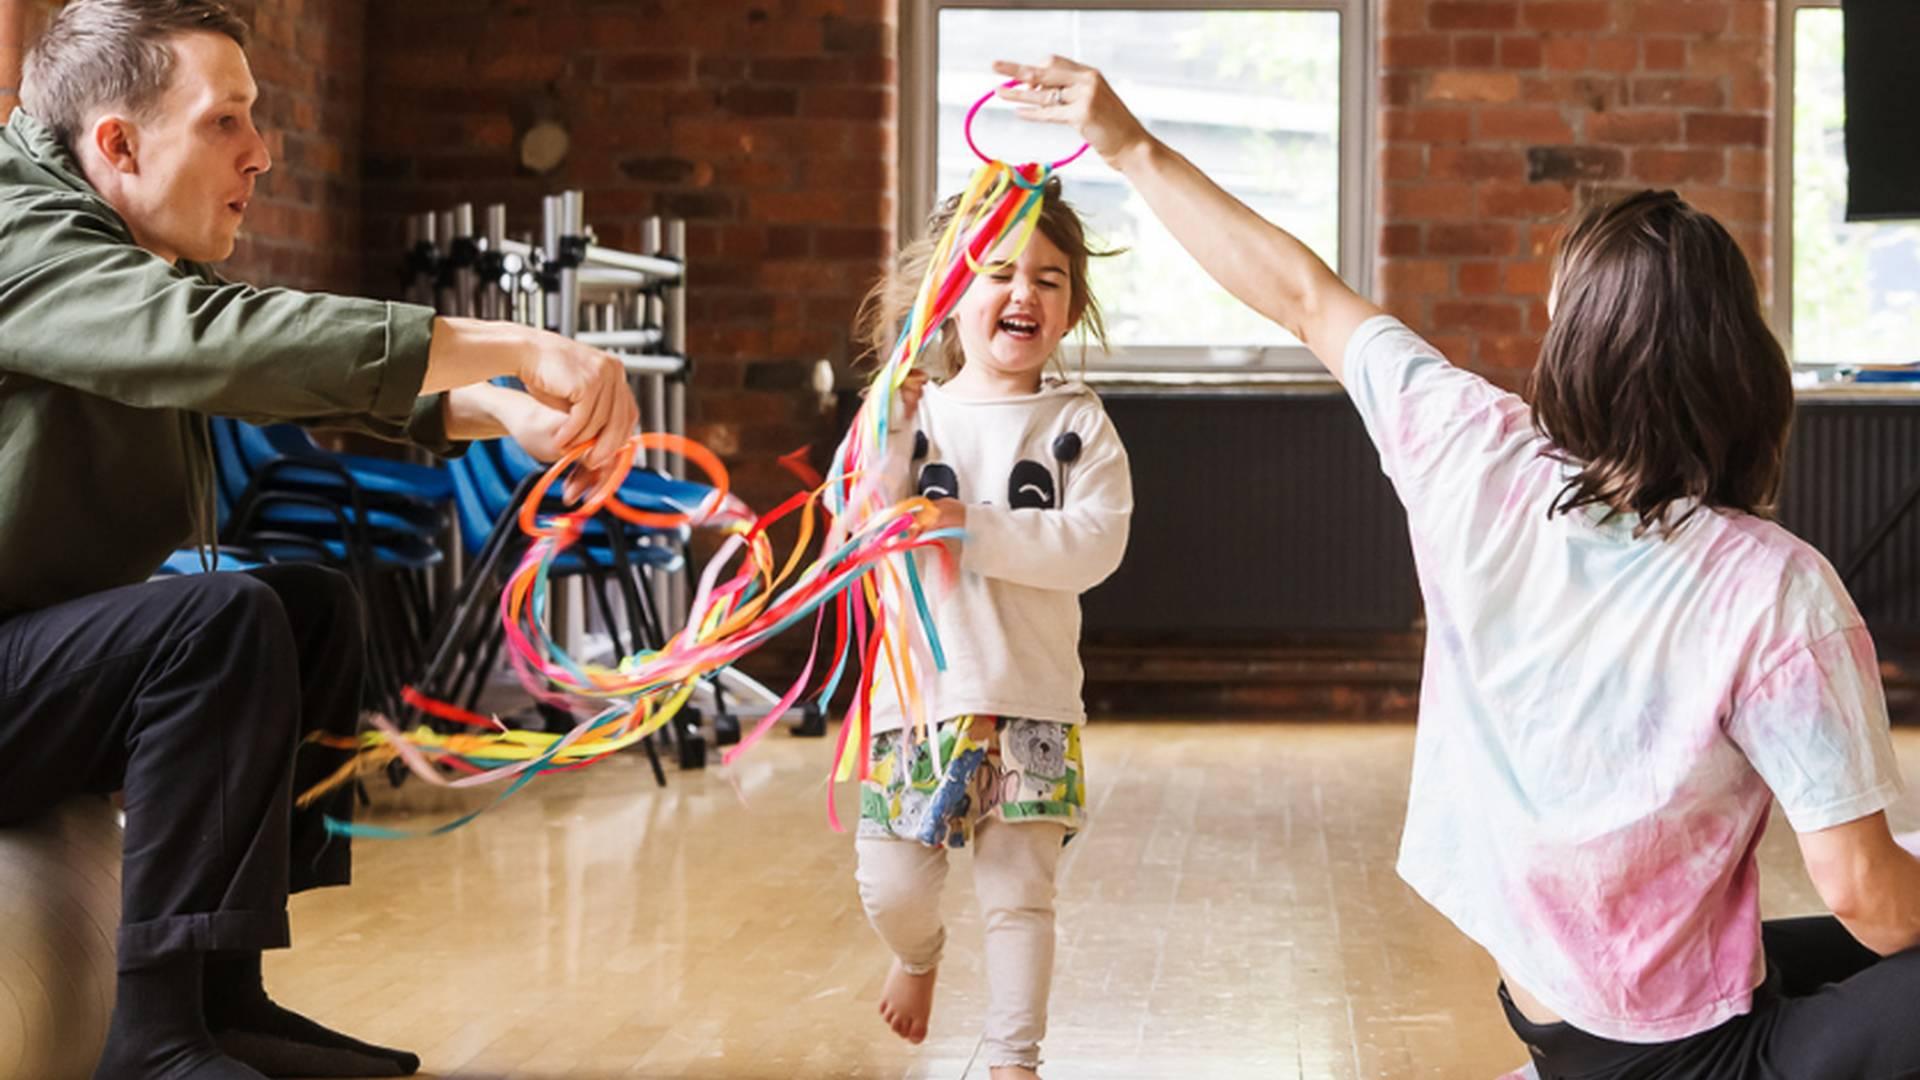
column 59, row 909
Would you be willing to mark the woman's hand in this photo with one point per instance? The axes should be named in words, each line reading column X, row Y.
column 1064, row 92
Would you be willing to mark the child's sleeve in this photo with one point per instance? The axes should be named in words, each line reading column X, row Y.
column 1072, row 548
column 1815, row 728
column 1433, row 424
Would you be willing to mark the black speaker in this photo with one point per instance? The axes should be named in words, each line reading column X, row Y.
column 1882, row 91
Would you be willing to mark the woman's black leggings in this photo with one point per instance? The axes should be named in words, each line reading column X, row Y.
column 1830, row 1009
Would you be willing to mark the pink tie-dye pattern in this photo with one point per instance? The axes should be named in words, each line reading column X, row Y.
column 1612, row 875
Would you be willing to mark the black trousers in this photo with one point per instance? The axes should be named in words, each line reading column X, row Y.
column 191, row 695
column 1830, row 1009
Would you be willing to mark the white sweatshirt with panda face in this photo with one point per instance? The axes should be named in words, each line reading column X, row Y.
column 1049, row 497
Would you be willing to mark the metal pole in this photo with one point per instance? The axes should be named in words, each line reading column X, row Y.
column 674, row 325
column 461, row 244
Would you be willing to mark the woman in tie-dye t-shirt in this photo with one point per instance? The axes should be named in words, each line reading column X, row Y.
column 1627, row 662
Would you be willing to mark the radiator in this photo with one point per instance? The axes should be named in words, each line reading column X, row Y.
column 1256, row 515
column 1263, row 515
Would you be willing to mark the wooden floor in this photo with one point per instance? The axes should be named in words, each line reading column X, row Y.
column 1232, row 911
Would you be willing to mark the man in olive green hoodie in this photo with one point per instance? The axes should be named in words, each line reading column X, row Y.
column 127, row 169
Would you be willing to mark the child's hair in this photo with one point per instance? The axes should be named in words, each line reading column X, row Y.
column 885, row 308
column 1658, row 378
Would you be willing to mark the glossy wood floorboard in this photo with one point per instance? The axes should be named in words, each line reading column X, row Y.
column 1231, row 911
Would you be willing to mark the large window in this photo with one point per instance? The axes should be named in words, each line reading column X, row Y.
column 1851, row 292
column 1264, row 97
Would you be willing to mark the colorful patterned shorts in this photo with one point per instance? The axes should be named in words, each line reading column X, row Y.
column 1026, row 770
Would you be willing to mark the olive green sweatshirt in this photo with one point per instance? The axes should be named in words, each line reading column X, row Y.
column 111, row 359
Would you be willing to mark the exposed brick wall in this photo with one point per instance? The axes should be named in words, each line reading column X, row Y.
column 303, row 229
column 767, row 124
column 1498, row 117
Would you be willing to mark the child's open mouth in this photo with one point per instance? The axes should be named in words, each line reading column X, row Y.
column 1023, row 329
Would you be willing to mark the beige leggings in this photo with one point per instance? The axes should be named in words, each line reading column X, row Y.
column 1013, row 869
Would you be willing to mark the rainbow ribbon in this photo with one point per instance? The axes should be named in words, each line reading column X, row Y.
column 866, row 576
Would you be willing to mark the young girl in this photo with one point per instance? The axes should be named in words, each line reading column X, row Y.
column 1030, row 468
column 1627, row 662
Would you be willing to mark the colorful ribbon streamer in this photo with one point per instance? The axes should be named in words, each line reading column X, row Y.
column 866, row 575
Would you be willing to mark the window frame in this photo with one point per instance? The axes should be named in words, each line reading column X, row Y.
column 919, row 120
column 1786, row 16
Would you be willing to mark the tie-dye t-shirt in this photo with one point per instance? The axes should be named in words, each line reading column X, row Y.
column 1605, row 718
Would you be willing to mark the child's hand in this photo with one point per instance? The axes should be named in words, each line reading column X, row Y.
column 910, row 392
column 943, row 514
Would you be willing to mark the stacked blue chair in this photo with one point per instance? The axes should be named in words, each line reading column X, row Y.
column 301, row 503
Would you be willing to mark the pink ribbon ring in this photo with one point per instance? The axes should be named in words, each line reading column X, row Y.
column 975, row 111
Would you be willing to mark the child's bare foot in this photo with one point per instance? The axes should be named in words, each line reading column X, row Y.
column 907, row 1002
column 1013, row 1072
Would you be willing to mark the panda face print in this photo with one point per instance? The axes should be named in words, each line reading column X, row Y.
column 1031, row 487
column 937, row 481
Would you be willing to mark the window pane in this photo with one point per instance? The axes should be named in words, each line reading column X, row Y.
column 1251, row 97
column 1856, row 287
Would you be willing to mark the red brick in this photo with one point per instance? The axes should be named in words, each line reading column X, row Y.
column 1672, row 17
column 1438, row 125
column 1523, row 123
column 1671, row 90
column 1427, row 201
column 1400, row 239
column 1615, row 128
column 1516, row 200
column 1567, row 15
column 1731, row 205
column 1669, row 167
column 1508, row 352
column 1416, row 50
column 1528, row 277
column 1473, row 14
column 1616, row 54
column 1486, row 86
column 1402, row 161
column 1476, row 163
column 1474, row 50
column 1485, row 316
column 1750, row 94
column 1404, row 15
column 1537, row 317
column 1479, row 278
column 645, row 68
column 1568, row 164
column 1480, row 239
column 1717, row 56
column 1566, row 54
column 1748, row 168
column 1664, row 54
column 1727, row 128
column 1415, row 277
column 1544, row 239
column 1397, row 88
column 1520, row 52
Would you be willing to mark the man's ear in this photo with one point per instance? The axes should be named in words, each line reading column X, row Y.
column 117, row 142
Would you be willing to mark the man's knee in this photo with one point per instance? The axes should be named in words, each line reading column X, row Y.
column 242, row 619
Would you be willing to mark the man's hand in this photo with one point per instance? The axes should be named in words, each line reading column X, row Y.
column 586, row 385
column 487, row 411
column 589, row 387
